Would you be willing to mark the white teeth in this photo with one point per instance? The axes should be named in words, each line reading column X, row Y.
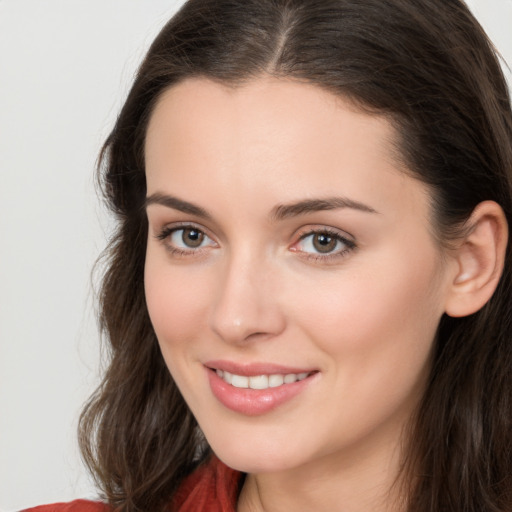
column 240, row 381
column 275, row 380
column 290, row 378
column 260, row 381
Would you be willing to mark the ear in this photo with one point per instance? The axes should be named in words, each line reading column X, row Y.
column 479, row 258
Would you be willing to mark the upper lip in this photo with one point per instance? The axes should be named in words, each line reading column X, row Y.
column 256, row 368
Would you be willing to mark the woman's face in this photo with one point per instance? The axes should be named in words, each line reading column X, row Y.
column 291, row 277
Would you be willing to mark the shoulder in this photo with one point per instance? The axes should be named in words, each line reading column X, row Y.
column 72, row 506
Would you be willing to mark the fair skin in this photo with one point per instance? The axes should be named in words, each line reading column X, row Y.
column 352, row 294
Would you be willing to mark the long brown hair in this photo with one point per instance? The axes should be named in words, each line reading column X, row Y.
column 428, row 66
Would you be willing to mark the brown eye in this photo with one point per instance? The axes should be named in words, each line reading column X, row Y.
column 324, row 243
column 185, row 241
column 192, row 237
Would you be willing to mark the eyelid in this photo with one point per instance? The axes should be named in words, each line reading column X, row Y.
column 175, row 226
column 323, row 228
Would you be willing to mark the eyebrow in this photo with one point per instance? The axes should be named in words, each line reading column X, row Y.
column 176, row 204
column 286, row 211
column 280, row 212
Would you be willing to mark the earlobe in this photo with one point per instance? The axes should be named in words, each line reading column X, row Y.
column 480, row 257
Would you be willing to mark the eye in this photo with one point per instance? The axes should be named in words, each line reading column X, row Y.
column 185, row 240
column 188, row 238
column 324, row 243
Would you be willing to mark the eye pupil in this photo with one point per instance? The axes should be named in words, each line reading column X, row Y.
column 324, row 243
column 192, row 237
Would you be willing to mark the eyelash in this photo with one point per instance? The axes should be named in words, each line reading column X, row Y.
column 349, row 245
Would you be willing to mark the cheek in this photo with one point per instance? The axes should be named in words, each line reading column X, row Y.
column 376, row 333
column 377, row 326
column 176, row 302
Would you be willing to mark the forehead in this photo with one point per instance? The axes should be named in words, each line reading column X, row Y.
column 278, row 105
column 276, row 137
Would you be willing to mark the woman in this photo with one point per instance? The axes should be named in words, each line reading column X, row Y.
column 308, row 300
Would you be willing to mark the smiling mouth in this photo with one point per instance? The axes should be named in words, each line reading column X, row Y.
column 261, row 381
column 257, row 388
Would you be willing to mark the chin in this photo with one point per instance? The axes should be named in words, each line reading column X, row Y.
column 257, row 456
column 254, row 463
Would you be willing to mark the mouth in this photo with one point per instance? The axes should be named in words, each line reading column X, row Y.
column 264, row 381
column 257, row 389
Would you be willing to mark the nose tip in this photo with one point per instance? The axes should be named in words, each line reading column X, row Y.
column 246, row 310
column 236, row 329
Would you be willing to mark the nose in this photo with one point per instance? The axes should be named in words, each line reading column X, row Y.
column 247, row 306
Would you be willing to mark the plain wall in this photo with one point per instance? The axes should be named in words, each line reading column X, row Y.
column 65, row 68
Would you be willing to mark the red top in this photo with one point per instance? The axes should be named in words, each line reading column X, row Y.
column 212, row 487
column 73, row 506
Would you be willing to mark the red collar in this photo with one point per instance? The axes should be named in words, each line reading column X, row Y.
column 212, row 487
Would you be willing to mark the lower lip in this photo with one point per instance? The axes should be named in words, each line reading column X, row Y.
column 253, row 402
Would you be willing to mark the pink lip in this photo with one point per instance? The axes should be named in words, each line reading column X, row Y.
column 254, row 402
column 253, row 369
